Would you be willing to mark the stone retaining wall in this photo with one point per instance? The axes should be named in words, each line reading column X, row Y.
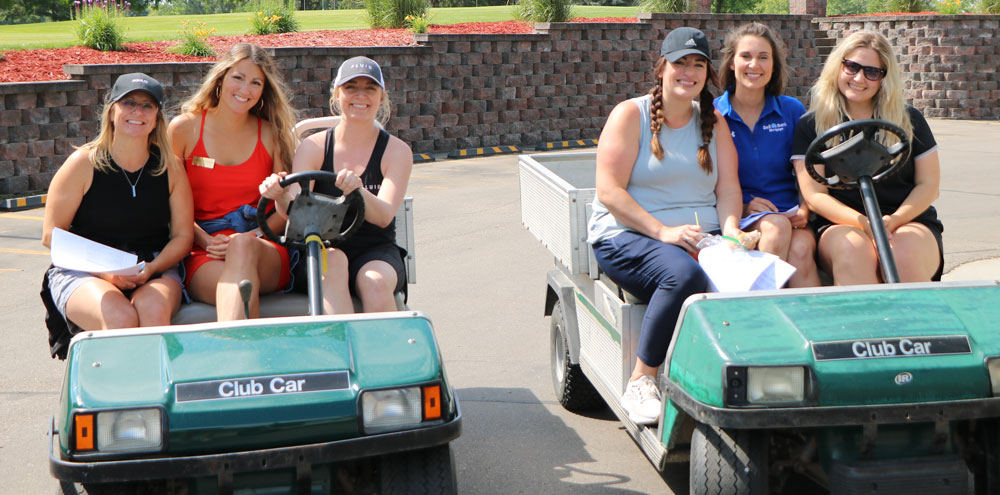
column 466, row 91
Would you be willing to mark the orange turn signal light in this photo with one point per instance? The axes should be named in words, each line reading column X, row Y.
column 432, row 402
column 83, row 425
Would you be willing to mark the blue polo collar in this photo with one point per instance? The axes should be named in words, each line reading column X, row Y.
column 726, row 108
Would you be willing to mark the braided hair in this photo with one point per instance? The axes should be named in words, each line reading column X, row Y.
column 707, row 115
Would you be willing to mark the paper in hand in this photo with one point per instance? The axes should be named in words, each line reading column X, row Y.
column 74, row 252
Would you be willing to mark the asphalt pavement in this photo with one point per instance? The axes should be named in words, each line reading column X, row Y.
column 481, row 279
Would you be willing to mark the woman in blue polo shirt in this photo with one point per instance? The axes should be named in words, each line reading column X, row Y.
column 762, row 123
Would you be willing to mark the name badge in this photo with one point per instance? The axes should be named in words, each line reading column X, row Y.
column 201, row 161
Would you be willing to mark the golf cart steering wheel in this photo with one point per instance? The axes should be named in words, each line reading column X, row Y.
column 316, row 214
column 858, row 153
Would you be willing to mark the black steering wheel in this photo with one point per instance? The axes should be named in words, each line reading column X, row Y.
column 857, row 154
column 314, row 213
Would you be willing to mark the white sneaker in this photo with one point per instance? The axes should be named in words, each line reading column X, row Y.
column 642, row 401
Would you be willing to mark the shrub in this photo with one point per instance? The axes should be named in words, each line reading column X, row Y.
column 273, row 16
column 663, row 6
column 989, row 6
column 418, row 24
column 393, row 13
column 899, row 6
column 949, row 7
column 193, row 41
column 543, row 10
column 101, row 24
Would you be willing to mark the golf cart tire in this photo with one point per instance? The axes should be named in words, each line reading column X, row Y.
column 728, row 461
column 574, row 390
column 422, row 472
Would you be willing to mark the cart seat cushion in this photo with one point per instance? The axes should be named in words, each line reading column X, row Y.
column 271, row 305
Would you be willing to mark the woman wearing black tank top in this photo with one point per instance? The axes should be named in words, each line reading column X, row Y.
column 363, row 156
column 125, row 190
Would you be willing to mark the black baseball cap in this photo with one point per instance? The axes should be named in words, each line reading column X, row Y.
column 359, row 67
column 685, row 41
column 136, row 81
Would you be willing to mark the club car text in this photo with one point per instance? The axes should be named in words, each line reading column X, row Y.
column 890, row 348
column 261, row 385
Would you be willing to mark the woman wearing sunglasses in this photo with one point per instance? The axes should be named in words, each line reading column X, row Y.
column 861, row 80
column 125, row 190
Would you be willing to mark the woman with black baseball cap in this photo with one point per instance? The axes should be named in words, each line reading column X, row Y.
column 125, row 190
column 364, row 156
column 666, row 174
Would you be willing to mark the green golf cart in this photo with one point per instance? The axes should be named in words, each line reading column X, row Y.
column 874, row 389
column 287, row 405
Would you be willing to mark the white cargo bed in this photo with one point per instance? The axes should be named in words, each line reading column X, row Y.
column 556, row 193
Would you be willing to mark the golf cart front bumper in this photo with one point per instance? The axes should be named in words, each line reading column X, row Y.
column 820, row 416
column 225, row 465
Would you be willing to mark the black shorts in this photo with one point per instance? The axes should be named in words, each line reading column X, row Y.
column 356, row 258
column 820, row 224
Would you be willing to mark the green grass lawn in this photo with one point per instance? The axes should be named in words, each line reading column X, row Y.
column 168, row 27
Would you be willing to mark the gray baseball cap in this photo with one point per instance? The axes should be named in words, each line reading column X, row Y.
column 359, row 67
column 685, row 41
column 136, row 81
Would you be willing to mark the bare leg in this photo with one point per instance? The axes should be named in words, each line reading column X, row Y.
column 99, row 305
column 775, row 235
column 642, row 368
column 157, row 301
column 336, row 295
column 916, row 253
column 247, row 258
column 848, row 254
column 375, row 284
column 802, row 255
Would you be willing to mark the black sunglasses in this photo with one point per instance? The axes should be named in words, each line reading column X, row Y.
column 871, row 73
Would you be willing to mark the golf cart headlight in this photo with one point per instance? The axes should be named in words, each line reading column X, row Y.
column 130, row 430
column 778, row 385
column 390, row 410
column 993, row 365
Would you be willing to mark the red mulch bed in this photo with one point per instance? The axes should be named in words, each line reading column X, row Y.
column 47, row 65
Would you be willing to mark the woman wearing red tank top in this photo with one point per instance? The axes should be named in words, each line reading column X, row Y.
column 233, row 132
column 371, row 268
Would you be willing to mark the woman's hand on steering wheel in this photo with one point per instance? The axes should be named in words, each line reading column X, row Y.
column 684, row 236
column 271, row 188
column 347, row 181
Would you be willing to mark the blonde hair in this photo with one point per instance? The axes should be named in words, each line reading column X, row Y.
column 779, row 69
column 99, row 150
column 707, row 116
column 828, row 104
column 381, row 115
column 273, row 107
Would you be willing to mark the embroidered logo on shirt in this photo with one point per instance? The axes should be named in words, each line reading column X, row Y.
column 775, row 127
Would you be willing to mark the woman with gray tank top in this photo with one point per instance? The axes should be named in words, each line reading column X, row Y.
column 666, row 174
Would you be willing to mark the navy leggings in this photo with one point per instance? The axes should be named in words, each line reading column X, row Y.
column 662, row 274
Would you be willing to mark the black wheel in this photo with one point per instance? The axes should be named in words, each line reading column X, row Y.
column 986, row 465
column 70, row 488
column 333, row 218
column 728, row 462
column 573, row 389
column 857, row 153
column 422, row 472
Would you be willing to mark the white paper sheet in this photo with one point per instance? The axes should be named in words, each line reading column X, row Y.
column 732, row 270
column 73, row 252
